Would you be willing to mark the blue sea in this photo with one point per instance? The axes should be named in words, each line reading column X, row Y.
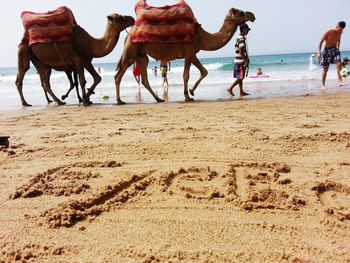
column 286, row 75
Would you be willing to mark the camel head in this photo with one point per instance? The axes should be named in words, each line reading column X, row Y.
column 239, row 17
column 120, row 22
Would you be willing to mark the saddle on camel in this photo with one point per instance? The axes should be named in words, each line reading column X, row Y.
column 166, row 24
column 53, row 26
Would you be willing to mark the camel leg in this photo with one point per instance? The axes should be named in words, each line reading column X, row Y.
column 45, row 73
column 186, row 77
column 122, row 67
column 71, row 87
column 47, row 97
column 82, row 82
column 45, row 92
column 76, row 84
column 97, row 79
column 73, row 84
column 203, row 71
column 142, row 61
column 23, row 64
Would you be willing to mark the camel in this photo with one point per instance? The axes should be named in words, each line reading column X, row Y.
column 70, row 56
column 201, row 40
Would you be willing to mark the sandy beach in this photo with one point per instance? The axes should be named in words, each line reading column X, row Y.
column 261, row 180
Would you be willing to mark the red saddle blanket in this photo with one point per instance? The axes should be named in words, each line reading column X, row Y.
column 53, row 26
column 167, row 24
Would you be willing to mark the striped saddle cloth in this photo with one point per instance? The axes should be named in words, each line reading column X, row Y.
column 167, row 24
column 53, row 26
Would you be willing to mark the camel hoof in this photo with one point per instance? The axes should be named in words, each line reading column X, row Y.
column 63, row 97
column 189, row 99
column 120, row 102
column 90, row 92
column 86, row 102
column 192, row 92
column 61, row 103
column 25, row 104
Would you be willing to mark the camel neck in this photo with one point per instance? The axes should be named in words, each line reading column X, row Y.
column 218, row 40
column 103, row 46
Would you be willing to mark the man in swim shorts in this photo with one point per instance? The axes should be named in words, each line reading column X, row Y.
column 331, row 53
column 241, row 60
column 164, row 67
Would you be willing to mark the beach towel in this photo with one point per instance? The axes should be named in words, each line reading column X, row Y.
column 167, row 24
column 53, row 26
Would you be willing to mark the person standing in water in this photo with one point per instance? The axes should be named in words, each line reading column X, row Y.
column 331, row 53
column 137, row 73
column 164, row 67
column 155, row 69
column 312, row 63
column 241, row 60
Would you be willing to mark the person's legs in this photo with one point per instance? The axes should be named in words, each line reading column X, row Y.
column 238, row 81
column 237, row 75
column 241, row 91
column 324, row 76
column 137, row 78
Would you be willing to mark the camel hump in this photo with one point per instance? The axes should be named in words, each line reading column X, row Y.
column 165, row 24
column 181, row 10
column 52, row 26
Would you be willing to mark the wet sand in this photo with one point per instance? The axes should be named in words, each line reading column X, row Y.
column 262, row 180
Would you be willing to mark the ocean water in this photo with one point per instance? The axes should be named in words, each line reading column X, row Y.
column 288, row 75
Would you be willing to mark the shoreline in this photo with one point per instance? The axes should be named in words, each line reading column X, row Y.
column 204, row 93
column 195, row 182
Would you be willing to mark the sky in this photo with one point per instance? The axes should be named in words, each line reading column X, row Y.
column 281, row 26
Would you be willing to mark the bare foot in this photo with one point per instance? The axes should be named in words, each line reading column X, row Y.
column 323, row 87
column 342, row 84
column 244, row 93
column 230, row 92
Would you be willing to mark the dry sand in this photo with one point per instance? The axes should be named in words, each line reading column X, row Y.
column 239, row 181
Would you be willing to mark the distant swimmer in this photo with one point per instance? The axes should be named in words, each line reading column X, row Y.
column 331, row 53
